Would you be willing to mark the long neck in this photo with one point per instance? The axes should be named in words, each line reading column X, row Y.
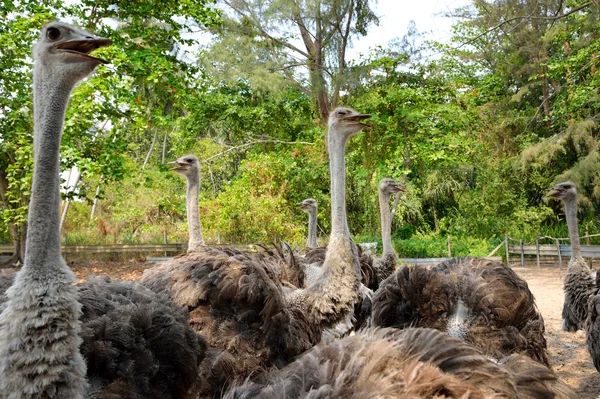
column 571, row 215
column 312, row 228
column 332, row 297
column 196, row 240
column 50, row 103
column 386, row 223
column 337, row 170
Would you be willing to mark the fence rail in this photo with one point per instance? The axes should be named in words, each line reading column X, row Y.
column 435, row 261
column 121, row 248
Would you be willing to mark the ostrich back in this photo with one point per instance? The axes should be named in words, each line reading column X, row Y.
column 137, row 344
column 411, row 363
column 237, row 304
column 502, row 317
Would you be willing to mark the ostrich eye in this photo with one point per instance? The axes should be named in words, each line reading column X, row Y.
column 340, row 113
column 53, row 33
column 188, row 160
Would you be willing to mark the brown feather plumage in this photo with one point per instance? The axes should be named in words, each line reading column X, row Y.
column 410, row 363
column 502, row 316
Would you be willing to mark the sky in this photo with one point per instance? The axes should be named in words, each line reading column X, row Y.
column 395, row 16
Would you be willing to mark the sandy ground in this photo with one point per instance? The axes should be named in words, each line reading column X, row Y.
column 569, row 356
column 568, row 351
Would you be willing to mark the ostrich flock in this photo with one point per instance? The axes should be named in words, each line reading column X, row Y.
column 216, row 322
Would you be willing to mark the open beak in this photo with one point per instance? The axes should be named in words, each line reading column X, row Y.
column 358, row 118
column 555, row 191
column 399, row 187
column 84, row 47
column 180, row 165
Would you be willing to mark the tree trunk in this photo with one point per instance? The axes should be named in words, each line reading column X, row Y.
column 149, row 151
column 18, row 233
column 68, row 203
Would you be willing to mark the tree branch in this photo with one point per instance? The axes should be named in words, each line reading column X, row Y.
column 501, row 24
column 265, row 34
column 239, row 147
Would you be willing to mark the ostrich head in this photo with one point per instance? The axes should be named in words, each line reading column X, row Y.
column 564, row 191
column 65, row 50
column 308, row 205
column 346, row 121
column 187, row 165
column 389, row 186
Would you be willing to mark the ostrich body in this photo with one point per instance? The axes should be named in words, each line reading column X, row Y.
column 386, row 265
column 579, row 281
column 238, row 302
column 582, row 289
column 411, row 363
column 483, row 302
column 39, row 326
column 310, row 206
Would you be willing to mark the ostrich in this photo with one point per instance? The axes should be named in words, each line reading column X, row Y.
column 39, row 326
column 189, row 167
column 135, row 343
column 237, row 301
column 483, row 302
column 411, row 363
column 579, row 281
column 386, row 265
column 310, row 206
column 582, row 287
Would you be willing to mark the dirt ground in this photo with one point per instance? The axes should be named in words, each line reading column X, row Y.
column 569, row 356
column 568, row 351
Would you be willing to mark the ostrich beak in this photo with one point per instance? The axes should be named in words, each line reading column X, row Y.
column 82, row 48
column 358, row 118
column 555, row 191
column 181, row 166
column 399, row 187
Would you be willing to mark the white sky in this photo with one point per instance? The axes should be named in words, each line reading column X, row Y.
column 395, row 15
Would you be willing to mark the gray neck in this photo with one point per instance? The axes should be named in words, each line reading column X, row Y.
column 196, row 241
column 337, row 170
column 571, row 215
column 50, row 103
column 386, row 223
column 312, row 228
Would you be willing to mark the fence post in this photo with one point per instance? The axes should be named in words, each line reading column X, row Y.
column 506, row 246
column 537, row 250
column 449, row 248
column 587, row 240
column 522, row 253
column 165, row 238
column 559, row 254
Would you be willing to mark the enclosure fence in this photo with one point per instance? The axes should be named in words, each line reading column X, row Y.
column 547, row 253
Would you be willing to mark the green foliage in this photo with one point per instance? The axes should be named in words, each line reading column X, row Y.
column 477, row 133
column 259, row 205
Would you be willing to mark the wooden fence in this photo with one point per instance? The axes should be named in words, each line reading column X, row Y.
column 123, row 248
column 542, row 252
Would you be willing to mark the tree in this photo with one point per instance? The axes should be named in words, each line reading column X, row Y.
column 261, row 38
